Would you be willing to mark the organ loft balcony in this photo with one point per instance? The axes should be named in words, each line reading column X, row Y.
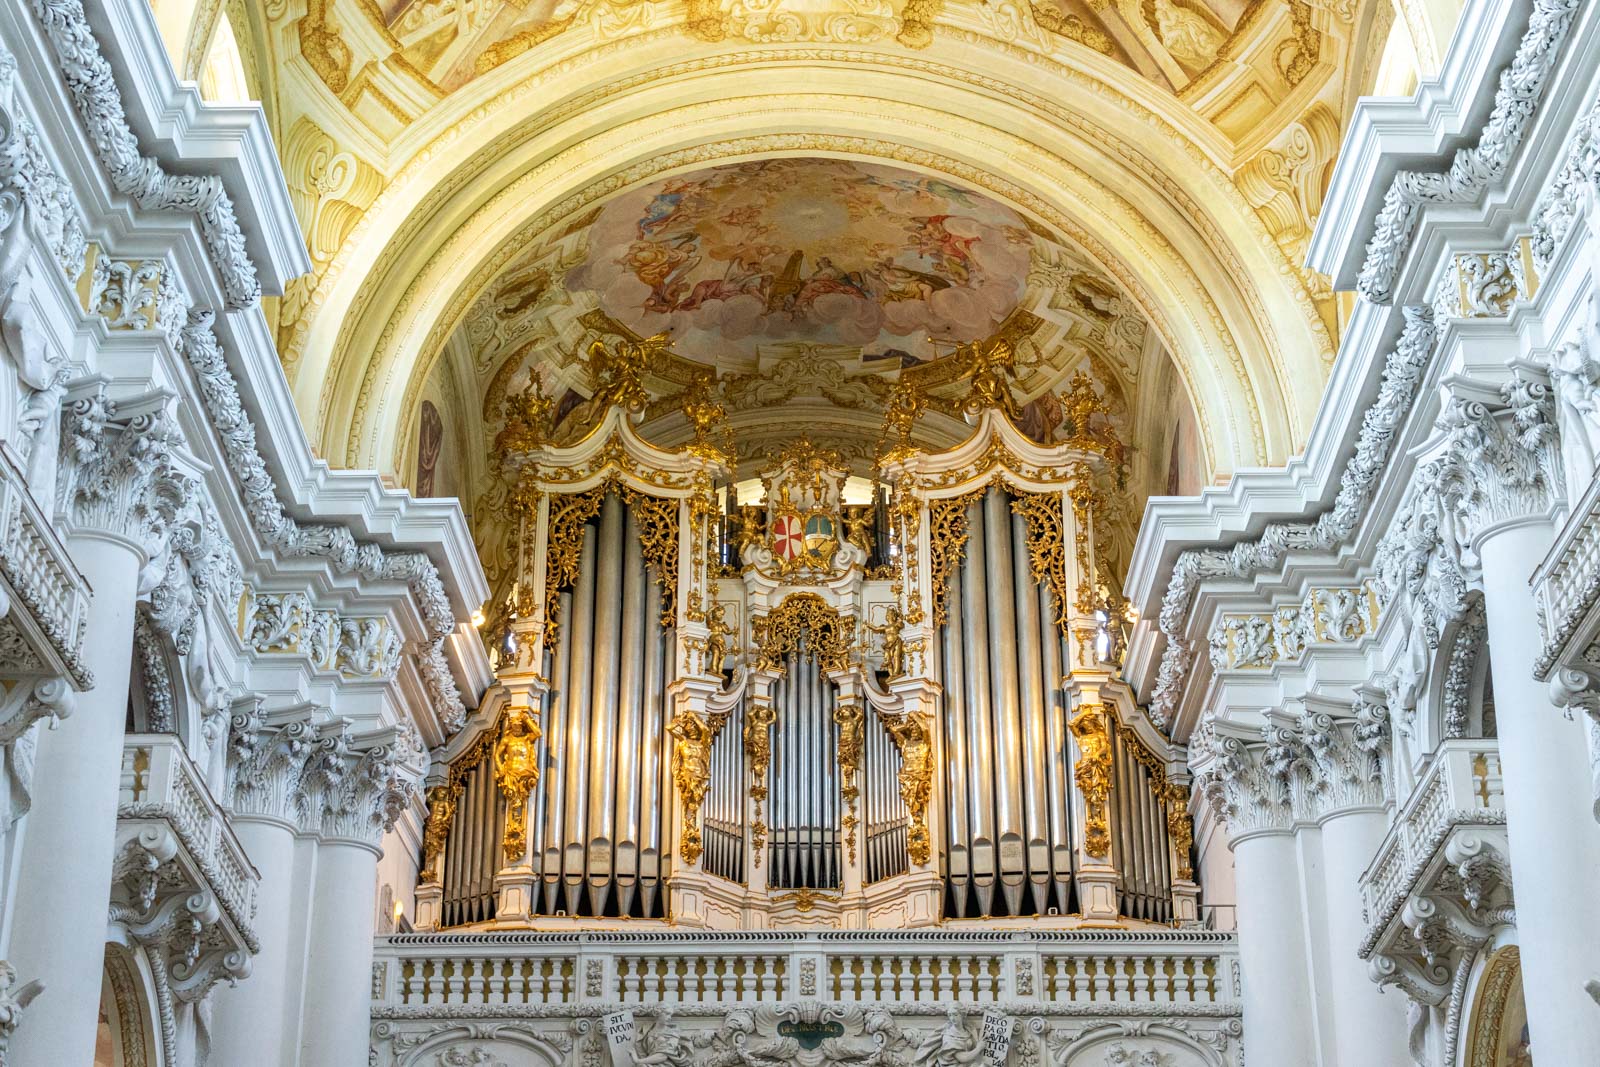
column 786, row 695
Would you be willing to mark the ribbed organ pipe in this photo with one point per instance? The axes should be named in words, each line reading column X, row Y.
column 1008, row 778
column 1141, row 848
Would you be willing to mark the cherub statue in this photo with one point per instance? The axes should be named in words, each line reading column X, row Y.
column 858, row 527
column 894, row 646
column 718, row 647
column 990, row 368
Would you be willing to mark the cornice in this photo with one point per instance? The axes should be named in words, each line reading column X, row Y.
column 180, row 130
column 1385, row 132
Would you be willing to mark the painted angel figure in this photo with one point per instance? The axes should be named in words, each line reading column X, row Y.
column 894, row 646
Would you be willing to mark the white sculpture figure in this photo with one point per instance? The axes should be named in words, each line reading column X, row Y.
column 664, row 1044
column 950, row 1047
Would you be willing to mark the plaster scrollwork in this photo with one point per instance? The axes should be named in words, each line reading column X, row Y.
column 1403, row 369
column 32, row 184
column 1521, row 88
column 1324, row 616
column 355, row 788
column 121, row 473
column 1562, row 203
column 1575, row 689
column 289, row 624
column 267, row 756
column 198, row 343
column 48, row 699
column 1308, row 768
column 123, row 292
column 1464, row 652
column 14, row 1000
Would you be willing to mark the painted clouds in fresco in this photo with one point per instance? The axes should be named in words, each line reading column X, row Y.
column 819, row 250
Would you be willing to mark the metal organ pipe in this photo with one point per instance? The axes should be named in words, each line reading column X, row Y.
column 630, row 682
column 1035, row 798
column 1057, row 784
column 602, row 750
column 580, row 709
column 958, row 852
column 981, row 751
column 1004, row 696
column 653, row 782
column 552, row 788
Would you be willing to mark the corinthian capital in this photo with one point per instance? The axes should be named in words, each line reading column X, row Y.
column 1346, row 754
column 1504, row 459
column 357, row 786
column 121, row 470
column 267, row 757
column 1246, row 777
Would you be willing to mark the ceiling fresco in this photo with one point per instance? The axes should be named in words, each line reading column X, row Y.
column 824, row 251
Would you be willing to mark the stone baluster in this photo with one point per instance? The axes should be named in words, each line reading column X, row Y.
column 123, row 483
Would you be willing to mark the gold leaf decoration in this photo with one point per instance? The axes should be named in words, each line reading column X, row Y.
column 1092, row 773
column 1047, row 554
column 516, row 772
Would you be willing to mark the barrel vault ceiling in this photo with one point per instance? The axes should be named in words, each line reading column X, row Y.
column 807, row 196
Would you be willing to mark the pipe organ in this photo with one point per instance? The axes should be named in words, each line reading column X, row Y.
column 874, row 707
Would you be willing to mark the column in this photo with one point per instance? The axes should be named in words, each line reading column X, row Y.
column 357, row 788
column 1345, row 757
column 1553, row 838
column 266, row 758
column 1245, row 780
column 121, row 493
column 339, row 964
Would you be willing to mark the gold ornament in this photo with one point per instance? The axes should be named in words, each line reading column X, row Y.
column 569, row 512
column 894, row 646
column 656, row 518
column 910, row 736
column 989, row 367
column 1093, row 776
column 907, row 401
column 1180, row 829
column 801, row 615
column 527, row 416
column 516, row 772
column 858, row 526
column 850, row 720
column 691, row 771
column 718, row 647
column 436, row 831
column 707, row 415
column 906, row 511
column 758, row 719
column 947, row 539
column 1047, row 554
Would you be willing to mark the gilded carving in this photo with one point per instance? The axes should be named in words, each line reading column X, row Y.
column 947, row 539
column 1047, row 554
column 569, row 513
column 758, row 719
column 850, row 721
column 1180, row 829
column 802, row 616
column 691, row 771
column 1092, row 773
column 436, row 831
column 894, row 646
column 910, row 735
column 516, row 772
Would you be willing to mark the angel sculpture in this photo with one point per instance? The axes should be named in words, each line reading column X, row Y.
column 894, row 646
column 718, row 647
column 664, row 1045
column 951, row 1046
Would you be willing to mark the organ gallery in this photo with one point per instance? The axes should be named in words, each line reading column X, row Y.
column 799, row 533
column 802, row 696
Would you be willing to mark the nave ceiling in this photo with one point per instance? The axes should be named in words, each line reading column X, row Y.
column 1129, row 188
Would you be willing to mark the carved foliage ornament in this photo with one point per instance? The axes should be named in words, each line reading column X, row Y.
column 804, row 621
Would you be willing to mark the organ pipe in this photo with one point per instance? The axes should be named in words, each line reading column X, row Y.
column 1004, row 701
column 1032, row 714
column 974, row 615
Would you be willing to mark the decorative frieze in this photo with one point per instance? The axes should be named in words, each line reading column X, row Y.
column 1323, row 617
column 288, row 624
column 1486, row 285
column 1402, row 371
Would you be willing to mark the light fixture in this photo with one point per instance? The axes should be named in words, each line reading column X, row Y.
column 478, row 619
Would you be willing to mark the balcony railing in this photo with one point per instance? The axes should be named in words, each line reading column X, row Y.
column 1460, row 786
column 161, row 785
column 520, row 972
column 49, row 600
